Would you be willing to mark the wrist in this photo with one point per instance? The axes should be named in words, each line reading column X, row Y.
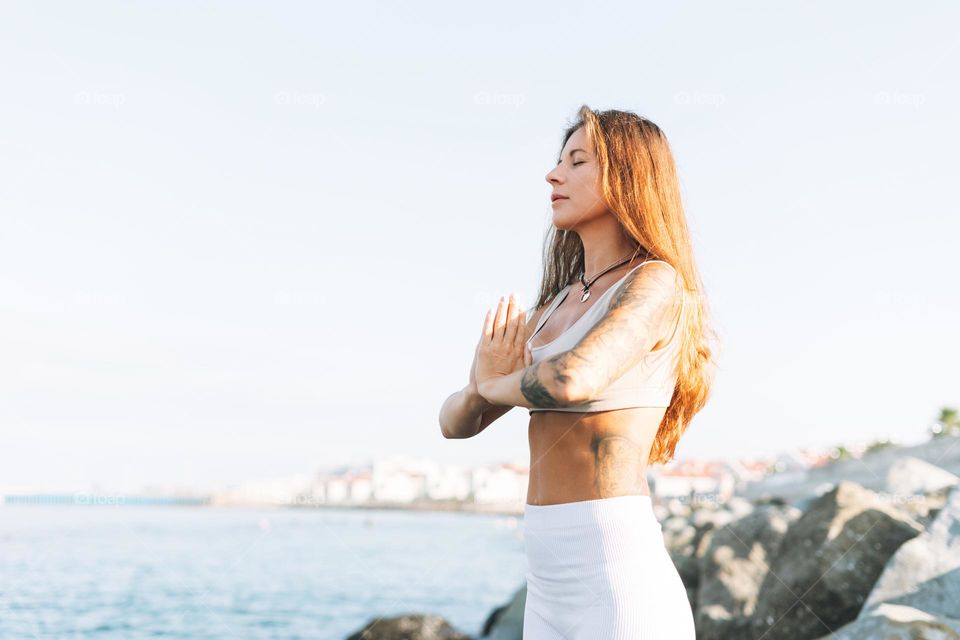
column 474, row 399
column 488, row 389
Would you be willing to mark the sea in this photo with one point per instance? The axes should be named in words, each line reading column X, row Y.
column 129, row 572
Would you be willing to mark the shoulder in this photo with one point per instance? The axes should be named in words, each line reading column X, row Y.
column 652, row 281
column 648, row 300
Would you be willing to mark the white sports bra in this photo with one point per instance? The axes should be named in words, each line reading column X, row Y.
column 648, row 384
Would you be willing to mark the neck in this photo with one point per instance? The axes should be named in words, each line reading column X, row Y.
column 605, row 245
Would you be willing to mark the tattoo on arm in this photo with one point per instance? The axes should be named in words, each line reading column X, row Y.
column 632, row 324
column 534, row 390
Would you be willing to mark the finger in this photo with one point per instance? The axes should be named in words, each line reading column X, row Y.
column 513, row 312
column 516, row 328
column 488, row 326
column 501, row 320
column 527, row 357
column 519, row 336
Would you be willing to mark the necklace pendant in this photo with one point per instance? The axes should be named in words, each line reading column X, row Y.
column 584, row 295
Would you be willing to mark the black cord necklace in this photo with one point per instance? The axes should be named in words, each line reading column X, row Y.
column 585, row 291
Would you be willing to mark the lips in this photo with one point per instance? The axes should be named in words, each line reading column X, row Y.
column 555, row 197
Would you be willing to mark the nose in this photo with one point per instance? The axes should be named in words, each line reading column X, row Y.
column 552, row 177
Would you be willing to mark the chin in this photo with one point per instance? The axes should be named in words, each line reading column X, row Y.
column 568, row 222
column 565, row 220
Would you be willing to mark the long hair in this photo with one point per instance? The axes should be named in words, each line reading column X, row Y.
column 641, row 188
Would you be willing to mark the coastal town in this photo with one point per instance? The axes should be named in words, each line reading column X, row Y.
column 402, row 482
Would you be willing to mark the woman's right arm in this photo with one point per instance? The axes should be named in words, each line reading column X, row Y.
column 466, row 413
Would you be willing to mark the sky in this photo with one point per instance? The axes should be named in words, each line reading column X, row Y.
column 244, row 240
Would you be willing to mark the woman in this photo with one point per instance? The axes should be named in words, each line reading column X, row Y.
column 611, row 376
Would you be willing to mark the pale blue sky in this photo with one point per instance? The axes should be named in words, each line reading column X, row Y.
column 245, row 239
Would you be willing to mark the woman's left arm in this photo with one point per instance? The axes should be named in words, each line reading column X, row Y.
column 637, row 315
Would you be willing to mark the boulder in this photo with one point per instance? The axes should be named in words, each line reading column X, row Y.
column 409, row 627
column 738, row 506
column 733, row 566
column 898, row 622
column 828, row 562
column 681, row 540
column 676, row 507
column 871, row 470
column 706, row 519
column 909, row 476
column 506, row 622
column 687, row 536
column 924, row 573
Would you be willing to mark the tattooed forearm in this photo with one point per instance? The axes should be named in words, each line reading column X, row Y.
column 632, row 324
column 534, row 390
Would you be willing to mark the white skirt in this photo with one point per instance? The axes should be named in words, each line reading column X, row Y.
column 597, row 570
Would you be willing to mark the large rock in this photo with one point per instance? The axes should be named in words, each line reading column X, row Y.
column 732, row 568
column 898, row 622
column 705, row 519
column 871, row 470
column 506, row 622
column 921, row 507
column 738, row 506
column 909, row 476
column 828, row 562
column 686, row 537
column 681, row 540
column 925, row 572
column 409, row 627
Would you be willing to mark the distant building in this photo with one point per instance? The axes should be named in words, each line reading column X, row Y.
column 398, row 485
column 694, row 480
column 451, row 482
column 500, row 484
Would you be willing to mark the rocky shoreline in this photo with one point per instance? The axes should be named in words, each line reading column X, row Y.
column 873, row 558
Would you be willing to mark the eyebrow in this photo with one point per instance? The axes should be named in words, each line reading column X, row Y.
column 570, row 153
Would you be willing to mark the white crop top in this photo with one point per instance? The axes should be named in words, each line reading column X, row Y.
column 648, row 384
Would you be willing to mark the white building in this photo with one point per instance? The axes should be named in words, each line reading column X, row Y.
column 500, row 484
column 451, row 482
column 399, row 486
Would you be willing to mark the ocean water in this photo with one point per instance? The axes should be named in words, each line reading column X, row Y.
column 108, row 571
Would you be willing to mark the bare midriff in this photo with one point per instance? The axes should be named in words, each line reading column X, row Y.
column 588, row 456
